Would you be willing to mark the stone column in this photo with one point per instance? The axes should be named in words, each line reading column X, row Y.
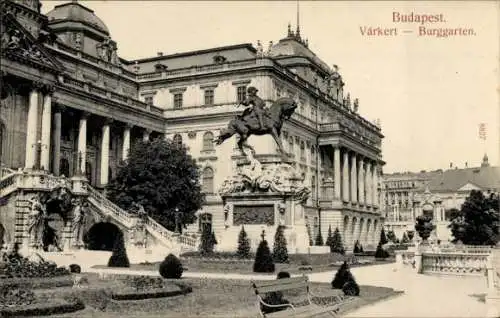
column 105, row 152
column 46, row 128
column 32, row 127
column 369, row 184
column 345, row 177
column 361, row 181
column 82, row 143
column 126, row 141
column 354, row 179
column 56, row 141
column 145, row 134
column 336, row 172
column 375, row 185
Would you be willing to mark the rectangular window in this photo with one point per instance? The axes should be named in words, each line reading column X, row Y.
column 148, row 100
column 177, row 100
column 242, row 93
column 209, row 97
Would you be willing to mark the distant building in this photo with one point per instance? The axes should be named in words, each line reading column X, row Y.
column 407, row 195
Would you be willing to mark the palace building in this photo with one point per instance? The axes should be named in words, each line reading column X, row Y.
column 408, row 195
column 71, row 106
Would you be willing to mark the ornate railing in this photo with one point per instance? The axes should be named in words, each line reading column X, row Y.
column 109, row 207
column 454, row 263
column 130, row 219
column 38, row 181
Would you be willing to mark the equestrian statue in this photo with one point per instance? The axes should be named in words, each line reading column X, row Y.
column 257, row 120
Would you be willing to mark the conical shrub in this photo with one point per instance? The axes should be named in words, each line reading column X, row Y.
column 119, row 255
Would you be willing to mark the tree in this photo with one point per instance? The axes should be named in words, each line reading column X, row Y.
column 280, row 252
column 383, row 238
column 477, row 221
column 119, row 255
column 405, row 239
column 208, row 241
column 243, row 244
column 391, row 236
column 263, row 259
column 162, row 177
column 335, row 241
column 319, row 239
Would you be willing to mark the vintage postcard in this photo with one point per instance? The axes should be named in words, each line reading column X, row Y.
column 249, row 158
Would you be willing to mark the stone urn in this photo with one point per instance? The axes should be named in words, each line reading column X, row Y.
column 424, row 227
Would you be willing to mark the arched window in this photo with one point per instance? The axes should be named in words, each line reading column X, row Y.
column 177, row 139
column 208, row 180
column 313, row 153
column 208, row 141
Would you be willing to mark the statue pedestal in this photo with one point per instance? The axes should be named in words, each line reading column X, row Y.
column 264, row 193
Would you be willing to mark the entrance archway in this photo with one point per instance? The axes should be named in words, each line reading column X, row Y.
column 101, row 236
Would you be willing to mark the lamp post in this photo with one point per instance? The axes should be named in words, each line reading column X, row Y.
column 38, row 157
column 178, row 221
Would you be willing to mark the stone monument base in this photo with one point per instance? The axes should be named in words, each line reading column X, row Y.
column 264, row 193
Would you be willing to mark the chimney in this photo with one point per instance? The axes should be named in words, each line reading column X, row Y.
column 451, row 165
column 159, row 54
column 466, row 164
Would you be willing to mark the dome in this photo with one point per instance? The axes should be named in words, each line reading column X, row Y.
column 75, row 12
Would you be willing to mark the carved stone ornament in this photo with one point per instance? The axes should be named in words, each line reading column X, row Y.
column 254, row 178
column 18, row 44
column 191, row 134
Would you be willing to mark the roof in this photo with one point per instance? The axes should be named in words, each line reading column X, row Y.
column 75, row 12
column 230, row 53
column 291, row 47
column 454, row 179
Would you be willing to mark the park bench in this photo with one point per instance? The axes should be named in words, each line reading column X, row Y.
column 301, row 285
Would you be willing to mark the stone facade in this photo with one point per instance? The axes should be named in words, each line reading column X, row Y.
column 408, row 195
column 71, row 106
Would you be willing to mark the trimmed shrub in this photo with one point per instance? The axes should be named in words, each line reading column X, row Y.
column 283, row 275
column 280, row 252
column 263, row 259
column 319, row 239
column 275, row 298
column 75, row 268
column 380, row 252
column 243, row 244
column 335, row 241
column 119, row 257
column 351, row 288
column 171, row 267
column 383, row 237
column 208, row 242
column 391, row 236
column 345, row 280
column 357, row 247
column 341, row 276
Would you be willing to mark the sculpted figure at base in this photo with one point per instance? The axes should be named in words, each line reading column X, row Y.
column 259, row 121
column 36, row 221
column 77, row 222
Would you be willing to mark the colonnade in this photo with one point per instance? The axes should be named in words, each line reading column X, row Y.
column 51, row 126
column 356, row 178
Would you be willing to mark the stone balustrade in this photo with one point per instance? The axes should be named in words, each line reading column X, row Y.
column 454, row 263
column 446, row 260
column 35, row 181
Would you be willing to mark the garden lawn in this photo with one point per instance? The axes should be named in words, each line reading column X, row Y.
column 210, row 297
column 299, row 264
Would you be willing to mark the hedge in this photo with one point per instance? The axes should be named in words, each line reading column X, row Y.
column 43, row 309
column 152, row 293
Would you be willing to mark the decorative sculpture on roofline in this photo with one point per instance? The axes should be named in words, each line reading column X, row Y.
column 258, row 120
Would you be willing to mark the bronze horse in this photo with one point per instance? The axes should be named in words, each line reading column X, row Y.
column 247, row 124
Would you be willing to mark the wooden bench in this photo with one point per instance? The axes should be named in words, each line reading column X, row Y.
column 290, row 310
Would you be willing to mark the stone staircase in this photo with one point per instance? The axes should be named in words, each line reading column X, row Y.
column 128, row 220
column 13, row 182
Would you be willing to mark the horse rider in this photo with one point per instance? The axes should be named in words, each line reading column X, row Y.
column 256, row 102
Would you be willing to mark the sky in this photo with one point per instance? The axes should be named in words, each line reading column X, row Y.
column 429, row 93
